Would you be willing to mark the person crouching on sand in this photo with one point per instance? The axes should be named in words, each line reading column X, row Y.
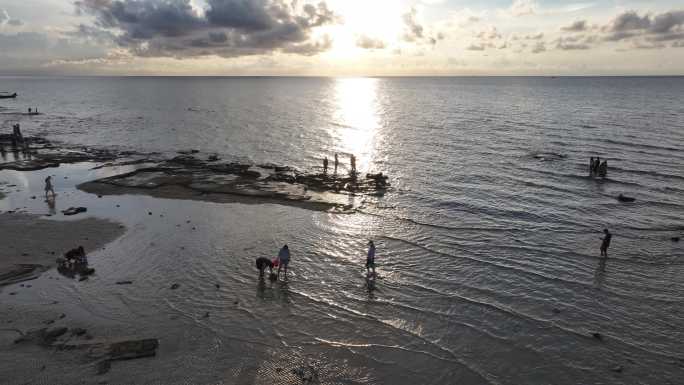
column 605, row 243
column 262, row 263
column 48, row 187
column 283, row 259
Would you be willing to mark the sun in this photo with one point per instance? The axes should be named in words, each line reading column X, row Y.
column 375, row 19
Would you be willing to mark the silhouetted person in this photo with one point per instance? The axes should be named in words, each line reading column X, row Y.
column 603, row 169
column 597, row 162
column 48, row 186
column 370, row 259
column 29, row 110
column 591, row 165
column 325, row 165
column 352, row 160
column 283, row 259
column 337, row 161
column 262, row 263
column 605, row 244
column 17, row 137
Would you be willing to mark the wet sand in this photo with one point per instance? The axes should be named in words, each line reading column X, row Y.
column 32, row 244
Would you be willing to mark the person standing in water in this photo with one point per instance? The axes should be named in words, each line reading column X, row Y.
column 283, row 259
column 48, row 187
column 325, row 165
column 605, row 244
column 337, row 161
column 591, row 165
column 370, row 259
column 352, row 160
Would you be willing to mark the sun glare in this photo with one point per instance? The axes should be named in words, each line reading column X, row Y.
column 377, row 19
column 356, row 118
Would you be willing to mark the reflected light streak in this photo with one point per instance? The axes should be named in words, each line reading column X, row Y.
column 356, row 120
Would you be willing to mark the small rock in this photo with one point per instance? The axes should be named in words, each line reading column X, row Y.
column 217, row 286
column 194, row 228
column 149, row 213
column 62, row 316
column 103, row 367
column 99, row 196
column 175, row 286
column 118, row 205
column 598, row 336
column 13, row 293
column 236, row 302
column 556, row 310
column 618, row 369
column 33, row 197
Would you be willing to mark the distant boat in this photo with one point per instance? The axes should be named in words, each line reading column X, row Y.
column 5, row 95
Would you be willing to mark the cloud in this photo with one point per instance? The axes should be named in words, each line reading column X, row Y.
column 667, row 26
column 228, row 28
column 414, row 32
column 539, row 47
column 413, row 29
column 523, row 7
column 5, row 19
column 367, row 42
column 573, row 43
column 476, row 47
column 577, row 26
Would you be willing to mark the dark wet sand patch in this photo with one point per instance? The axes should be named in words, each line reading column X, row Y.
column 31, row 244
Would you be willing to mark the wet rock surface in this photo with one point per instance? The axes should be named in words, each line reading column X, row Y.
column 190, row 177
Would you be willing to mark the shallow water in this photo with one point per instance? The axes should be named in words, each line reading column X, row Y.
column 478, row 242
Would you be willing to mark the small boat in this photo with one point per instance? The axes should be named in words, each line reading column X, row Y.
column 5, row 95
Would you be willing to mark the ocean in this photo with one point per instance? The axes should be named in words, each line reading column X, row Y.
column 487, row 242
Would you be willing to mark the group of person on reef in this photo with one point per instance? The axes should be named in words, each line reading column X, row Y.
column 598, row 168
column 352, row 162
column 283, row 260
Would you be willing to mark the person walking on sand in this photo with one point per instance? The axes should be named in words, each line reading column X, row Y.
column 325, row 165
column 605, row 244
column 370, row 259
column 283, row 259
column 48, row 187
column 337, row 162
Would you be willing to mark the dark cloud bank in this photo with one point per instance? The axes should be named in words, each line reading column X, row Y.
column 227, row 28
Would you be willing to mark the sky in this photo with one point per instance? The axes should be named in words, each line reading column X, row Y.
column 341, row 37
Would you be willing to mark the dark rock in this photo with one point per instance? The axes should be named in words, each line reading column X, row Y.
column 74, row 210
column 149, row 213
column 598, row 336
column 61, row 316
column 556, row 310
column 103, row 367
column 133, row 349
column 124, row 282
column 675, row 239
column 175, row 286
column 99, row 196
column 217, row 286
